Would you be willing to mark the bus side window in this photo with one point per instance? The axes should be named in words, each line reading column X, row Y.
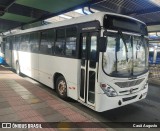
column 71, row 34
column 15, row 43
column 34, row 42
column 93, row 52
column 84, row 54
column 47, row 40
column 60, row 42
column 25, row 46
column 7, row 43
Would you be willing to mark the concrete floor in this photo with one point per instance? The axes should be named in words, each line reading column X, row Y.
column 147, row 110
column 25, row 100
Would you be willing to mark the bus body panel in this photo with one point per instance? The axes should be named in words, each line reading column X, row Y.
column 14, row 58
column 49, row 65
column 8, row 56
column 43, row 67
column 28, row 63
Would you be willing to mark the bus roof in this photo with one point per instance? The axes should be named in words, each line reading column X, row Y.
column 92, row 17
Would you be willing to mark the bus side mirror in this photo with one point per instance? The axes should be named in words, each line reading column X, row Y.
column 102, row 44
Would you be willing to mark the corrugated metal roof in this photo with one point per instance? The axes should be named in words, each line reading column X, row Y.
column 144, row 10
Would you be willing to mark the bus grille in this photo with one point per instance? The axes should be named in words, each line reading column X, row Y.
column 129, row 83
column 129, row 98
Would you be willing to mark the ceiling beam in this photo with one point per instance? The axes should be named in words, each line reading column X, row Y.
column 5, row 8
column 10, row 4
column 15, row 17
column 26, row 11
column 7, row 24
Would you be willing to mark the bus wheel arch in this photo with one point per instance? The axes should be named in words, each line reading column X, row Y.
column 60, row 85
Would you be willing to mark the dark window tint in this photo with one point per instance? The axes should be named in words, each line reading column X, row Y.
column 82, row 83
column 91, row 91
column 47, row 42
column 13, row 42
column 84, row 46
column 93, row 51
column 16, row 42
column 7, row 43
column 25, row 45
column 60, row 42
column 124, row 24
column 71, row 42
column 34, row 42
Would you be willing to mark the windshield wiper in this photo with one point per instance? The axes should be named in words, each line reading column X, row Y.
column 125, row 44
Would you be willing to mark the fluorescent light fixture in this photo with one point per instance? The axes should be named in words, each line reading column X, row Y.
column 65, row 16
column 58, row 18
column 81, row 12
column 156, row 2
column 158, row 33
column 152, row 34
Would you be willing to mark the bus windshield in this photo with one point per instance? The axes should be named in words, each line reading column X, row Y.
column 125, row 57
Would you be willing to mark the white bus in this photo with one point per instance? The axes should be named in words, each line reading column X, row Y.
column 100, row 60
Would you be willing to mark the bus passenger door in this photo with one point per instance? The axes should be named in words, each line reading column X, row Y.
column 88, row 67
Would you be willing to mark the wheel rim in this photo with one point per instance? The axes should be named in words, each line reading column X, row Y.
column 62, row 87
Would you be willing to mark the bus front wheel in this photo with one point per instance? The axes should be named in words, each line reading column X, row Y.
column 61, row 87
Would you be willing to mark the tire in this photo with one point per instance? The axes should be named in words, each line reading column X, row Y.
column 18, row 69
column 61, row 87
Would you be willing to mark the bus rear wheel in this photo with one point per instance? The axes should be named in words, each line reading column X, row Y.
column 61, row 87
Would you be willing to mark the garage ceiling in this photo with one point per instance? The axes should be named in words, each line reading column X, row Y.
column 14, row 13
column 147, row 11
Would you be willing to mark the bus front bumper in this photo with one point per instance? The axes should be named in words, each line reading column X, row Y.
column 105, row 103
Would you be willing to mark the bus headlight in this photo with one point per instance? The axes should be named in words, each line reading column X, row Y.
column 109, row 91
